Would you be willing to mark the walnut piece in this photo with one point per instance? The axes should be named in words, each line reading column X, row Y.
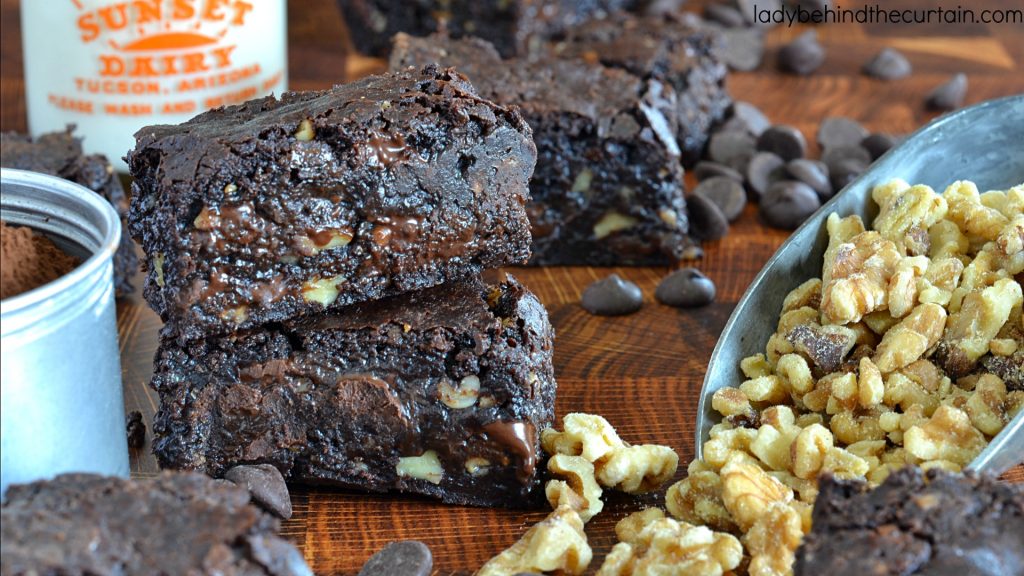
column 747, row 491
column 637, row 469
column 905, row 342
column 859, row 273
column 947, row 435
column 979, row 320
column 772, row 540
column 555, row 543
column 578, row 476
column 907, row 213
column 586, row 435
column 667, row 546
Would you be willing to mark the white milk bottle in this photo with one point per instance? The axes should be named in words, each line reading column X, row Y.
column 112, row 67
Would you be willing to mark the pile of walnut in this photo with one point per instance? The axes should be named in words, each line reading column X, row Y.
column 908, row 350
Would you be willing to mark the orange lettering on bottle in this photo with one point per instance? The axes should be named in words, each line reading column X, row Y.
column 183, row 10
column 87, row 24
column 193, row 62
column 212, row 10
column 111, row 65
column 222, row 56
column 116, row 17
column 148, row 11
column 241, row 9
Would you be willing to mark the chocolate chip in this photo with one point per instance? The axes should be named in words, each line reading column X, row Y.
column 707, row 169
column 878, row 143
column 949, row 95
column 803, row 55
column 785, row 141
column 750, row 117
column 788, row 203
column 743, row 48
column 725, row 15
column 266, row 486
column 731, row 148
column 833, row 156
column 845, row 171
column 136, row 429
column 813, row 173
column 765, row 169
column 612, row 296
column 838, row 131
column 686, row 288
column 889, row 64
column 406, row 558
column 724, row 192
column 707, row 222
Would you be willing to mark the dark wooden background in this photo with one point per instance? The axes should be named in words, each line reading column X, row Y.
column 642, row 372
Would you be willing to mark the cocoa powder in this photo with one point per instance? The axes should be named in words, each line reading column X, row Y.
column 28, row 260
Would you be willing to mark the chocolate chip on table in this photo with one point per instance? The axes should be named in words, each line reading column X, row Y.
column 725, row 15
column 785, row 141
column 707, row 222
column 724, row 192
column 732, row 148
column 750, row 117
column 845, row 171
column 405, row 558
column 814, row 173
column 743, row 48
column 803, row 55
column 837, row 131
column 833, row 156
column 765, row 169
column 889, row 64
column 686, row 288
column 949, row 95
column 788, row 203
column 878, row 143
column 266, row 486
column 612, row 296
column 136, row 429
column 709, row 169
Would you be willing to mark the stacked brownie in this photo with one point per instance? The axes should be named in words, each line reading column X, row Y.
column 317, row 260
column 608, row 187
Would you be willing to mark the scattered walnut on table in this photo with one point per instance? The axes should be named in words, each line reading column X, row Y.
column 654, row 544
column 555, row 543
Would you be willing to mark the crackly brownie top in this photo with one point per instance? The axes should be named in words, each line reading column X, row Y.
column 381, row 119
column 549, row 84
column 645, row 46
column 60, row 154
column 933, row 523
column 176, row 523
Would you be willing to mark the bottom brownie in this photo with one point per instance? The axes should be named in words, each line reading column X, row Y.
column 933, row 523
column 171, row 524
column 440, row 392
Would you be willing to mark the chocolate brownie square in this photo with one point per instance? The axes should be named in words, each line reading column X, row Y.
column 608, row 186
column 78, row 524
column 673, row 50
column 60, row 154
column 514, row 26
column 915, row 522
column 274, row 208
column 441, row 392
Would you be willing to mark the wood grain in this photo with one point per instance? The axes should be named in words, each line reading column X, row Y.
column 643, row 372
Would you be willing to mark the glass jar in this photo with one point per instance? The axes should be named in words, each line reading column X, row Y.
column 113, row 67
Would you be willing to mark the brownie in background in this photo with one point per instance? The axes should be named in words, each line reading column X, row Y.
column 441, row 392
column 608, row 186
column 276, row 208
column 514, row 26
column 682, row 52
column 60, row 154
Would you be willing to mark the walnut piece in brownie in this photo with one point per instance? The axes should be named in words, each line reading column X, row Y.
column 60, row 154
column 514, row 26
column 441, row 392
column 933, row 523
column 608, row 187
column 175, row 523
column 279, row 207
column 680, row 52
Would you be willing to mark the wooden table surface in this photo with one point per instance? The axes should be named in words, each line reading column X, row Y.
column 642, row 372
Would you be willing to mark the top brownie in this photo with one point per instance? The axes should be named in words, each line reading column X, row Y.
column 60, row 154
column 684, row 54
column 514, row 26
column 175, row 523
column 934, row 523
column 278, row 207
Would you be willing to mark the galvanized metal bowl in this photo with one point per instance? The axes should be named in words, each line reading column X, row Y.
column 60, row 370
column 983, row 143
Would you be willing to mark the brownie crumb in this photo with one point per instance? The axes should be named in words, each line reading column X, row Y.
column 30, row 260
column 136, row 430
